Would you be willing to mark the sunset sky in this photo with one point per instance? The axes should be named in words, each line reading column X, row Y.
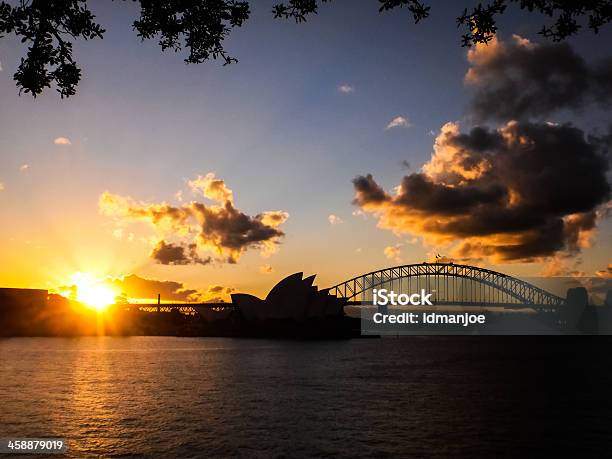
column 268, row 149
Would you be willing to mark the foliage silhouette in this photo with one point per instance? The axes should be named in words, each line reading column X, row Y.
column 50, row 26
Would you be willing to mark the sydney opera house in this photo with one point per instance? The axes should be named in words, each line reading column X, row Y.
column 293, row 298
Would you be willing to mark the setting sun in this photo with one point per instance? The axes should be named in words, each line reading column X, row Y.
column 92, row 292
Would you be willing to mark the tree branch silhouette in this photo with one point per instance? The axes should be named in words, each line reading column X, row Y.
column 49, row 28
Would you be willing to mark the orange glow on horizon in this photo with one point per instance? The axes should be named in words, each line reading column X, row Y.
column 92, row 292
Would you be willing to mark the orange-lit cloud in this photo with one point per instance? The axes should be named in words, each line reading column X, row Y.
column 183, row 231
column 62, row 141
column 212, row 188
column 394, row 252
column 521, row 192
column 605, row 273
column 266, row 269
column 334, row 219
column 562, row 265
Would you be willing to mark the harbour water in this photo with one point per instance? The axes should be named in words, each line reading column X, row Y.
column 221, row 397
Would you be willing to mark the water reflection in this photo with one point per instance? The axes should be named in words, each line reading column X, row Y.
column 168, row 397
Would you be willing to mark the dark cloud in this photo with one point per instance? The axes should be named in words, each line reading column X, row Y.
column 218, row 293
column 368, row 191
column 176, row 254
column 134, row 286
column 234, row 231
column 220, row 228
column 216, row 289
column 519, row 79
column 422, row 193
column 521, row 192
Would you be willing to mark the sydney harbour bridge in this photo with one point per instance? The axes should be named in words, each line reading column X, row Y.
column 450, row 284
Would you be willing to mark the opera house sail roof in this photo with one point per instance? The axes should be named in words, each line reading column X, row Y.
column 293, row 298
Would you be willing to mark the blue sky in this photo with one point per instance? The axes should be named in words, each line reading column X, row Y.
column 274, row 126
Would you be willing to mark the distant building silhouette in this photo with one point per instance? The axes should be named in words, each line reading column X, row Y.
column 23, row 297
column 19, row 308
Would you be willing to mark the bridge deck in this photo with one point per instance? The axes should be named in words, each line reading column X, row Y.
column 182, row 305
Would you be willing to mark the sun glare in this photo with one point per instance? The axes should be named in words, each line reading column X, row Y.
column 93, row 292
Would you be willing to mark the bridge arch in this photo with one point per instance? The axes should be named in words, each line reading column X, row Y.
column 454, row 284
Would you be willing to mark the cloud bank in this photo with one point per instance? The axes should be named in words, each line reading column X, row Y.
column 520, row 192
column 527, row 190
column 136, row 287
